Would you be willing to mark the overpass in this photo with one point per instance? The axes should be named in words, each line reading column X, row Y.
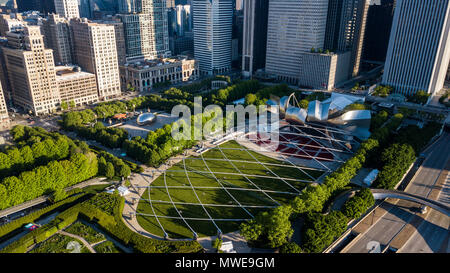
column 381, row 194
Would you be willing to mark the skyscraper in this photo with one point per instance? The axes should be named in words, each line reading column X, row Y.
column 67, row 8
column 146, row 28
column 213, row 21
column 57, row 37
column 95, row 51
column 255, row 36
column 183, row 19
column 44, row 6
column 378, row 30
column 294, row 27
column 419, row 46
column 346, row 24
column 31, row 71
column 139, row 37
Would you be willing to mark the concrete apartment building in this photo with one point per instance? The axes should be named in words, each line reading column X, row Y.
column 294, row 27
column 324, row 70
column 4, row 117
column 145, row 74
column 419, row 47
column 67, row 8
column 31, row 71
column 255, row 36
column 94, row 47
column 213, row 20
column 57, row 37
column 76, row 86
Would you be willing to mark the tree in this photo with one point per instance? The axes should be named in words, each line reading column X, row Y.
column 304, row 104
column 72, row 104
column 109, row 173
column 279, row 228
column 123, row 170
column 58, row 195
column 64, row 105
column 290, row 247
column 250, row 99
column 251, row 230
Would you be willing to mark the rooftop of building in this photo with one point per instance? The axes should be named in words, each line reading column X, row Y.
column 68, row 72
column 143, row 64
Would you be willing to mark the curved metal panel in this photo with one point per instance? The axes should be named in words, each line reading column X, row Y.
column 296, row 115
column 146, row 118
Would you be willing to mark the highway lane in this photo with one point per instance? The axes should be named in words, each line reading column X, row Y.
column 433, row 233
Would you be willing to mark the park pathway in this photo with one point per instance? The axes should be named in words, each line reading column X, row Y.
column 85, row 243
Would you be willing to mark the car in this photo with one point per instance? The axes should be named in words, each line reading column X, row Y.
column 31, row 226
column 423, row 209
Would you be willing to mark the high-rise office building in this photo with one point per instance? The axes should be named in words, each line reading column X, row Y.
column 67, row 8
column 213, row 21
column 116, row 22
column 4, row 117
column 43, row 6
column 31, row 71
column 378, row 30
column 95, row 51
column 128, row 6
column 170, row 4
column 255, row 36
column 183, row 19
column 139, row 37
column 146, row 28
column 419, row 46
column 346, row 24
column 57, row 37
column 294, row 27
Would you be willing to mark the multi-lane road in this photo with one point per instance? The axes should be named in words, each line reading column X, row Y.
column 400, row 224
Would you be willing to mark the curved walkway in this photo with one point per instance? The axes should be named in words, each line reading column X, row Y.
column 81, row 239
column 382, row 194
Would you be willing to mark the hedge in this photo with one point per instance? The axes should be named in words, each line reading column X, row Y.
column 32, row 217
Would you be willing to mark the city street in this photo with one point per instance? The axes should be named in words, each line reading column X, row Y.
column 392, row 227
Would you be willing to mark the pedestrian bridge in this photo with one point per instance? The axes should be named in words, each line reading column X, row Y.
column 381, row 194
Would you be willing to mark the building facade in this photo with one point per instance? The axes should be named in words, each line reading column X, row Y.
column 57, row 37
column 8, row 22
column 95, row 51
column 213, row 21
column 419, row 47
column 324, row 70
column 31, row 71
column 4, row 117
column 144, row 75
column 378, row 30
column 76, row 86
column 67, row 8
column 255, row 36
column 294, row 27
column 346, row 24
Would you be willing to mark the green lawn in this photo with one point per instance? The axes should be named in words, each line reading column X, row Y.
column 58, row 244
column 230, row 178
